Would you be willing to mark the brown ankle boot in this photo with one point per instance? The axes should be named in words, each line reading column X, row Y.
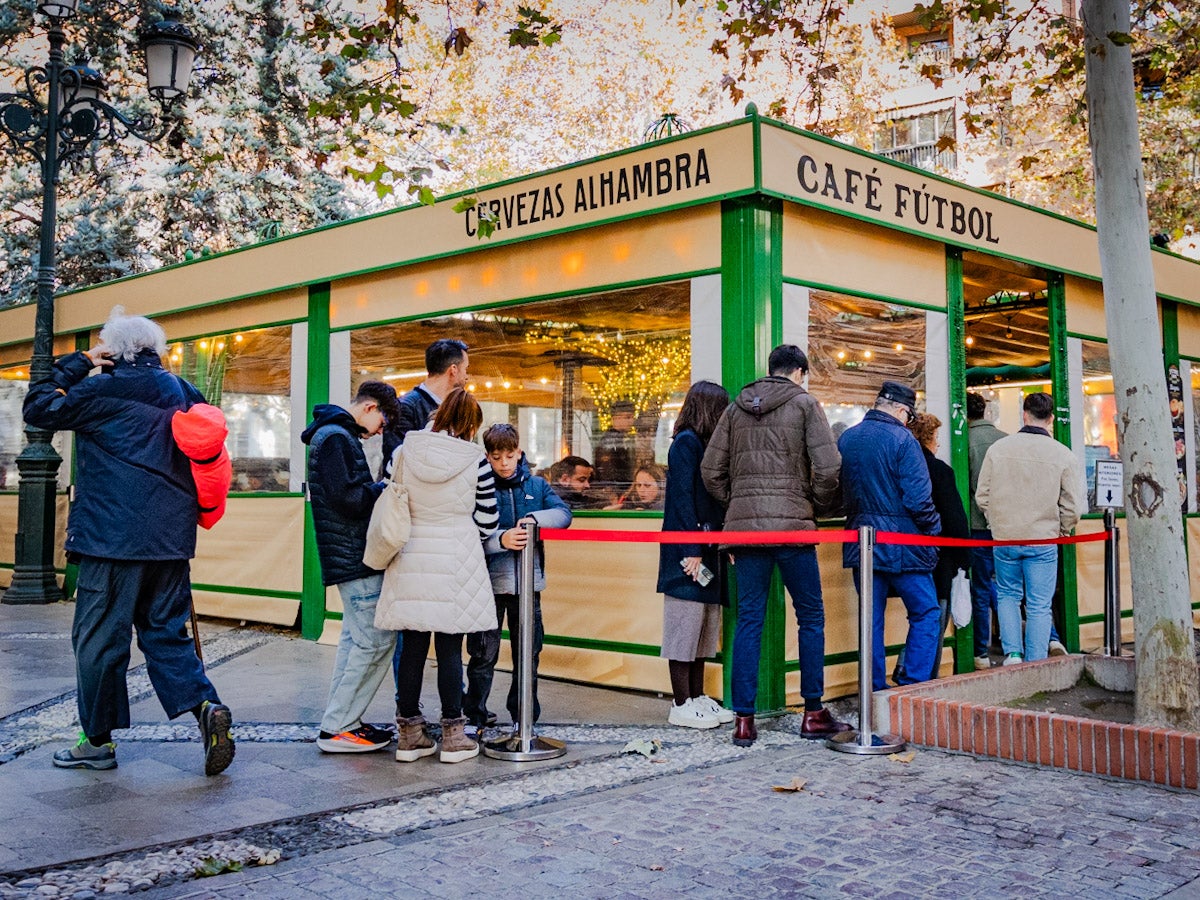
column 456, row 746
column 744, row 732
column 411, row 740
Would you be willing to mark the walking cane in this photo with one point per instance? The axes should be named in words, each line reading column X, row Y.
column 196, row 632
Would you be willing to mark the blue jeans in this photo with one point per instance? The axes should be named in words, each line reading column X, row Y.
column 1032, row 573
column 983, row 591
column 114, row 597
column 362, row 656
column 921, row 648
column 798, row 569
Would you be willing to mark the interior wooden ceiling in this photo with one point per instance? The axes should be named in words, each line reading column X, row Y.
column 1000, row 337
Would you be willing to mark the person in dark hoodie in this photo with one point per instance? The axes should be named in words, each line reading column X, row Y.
column 773, row 465
column 343, row 493
column 949, row 505
column 521, row 496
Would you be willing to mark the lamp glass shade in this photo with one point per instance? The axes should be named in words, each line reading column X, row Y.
column 58, row 9
column 81, row 83
column 170, row 52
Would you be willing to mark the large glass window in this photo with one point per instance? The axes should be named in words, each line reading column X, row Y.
column 600, row 377
column 14, row 384
column 854, row 345
column 248, row 375
column 1099, row 413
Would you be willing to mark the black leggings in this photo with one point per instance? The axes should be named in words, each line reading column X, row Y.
column 411, row 671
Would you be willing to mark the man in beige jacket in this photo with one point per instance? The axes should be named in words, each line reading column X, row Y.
column 1030, row 487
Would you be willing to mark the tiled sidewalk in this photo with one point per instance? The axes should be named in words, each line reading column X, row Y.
column 699, row 817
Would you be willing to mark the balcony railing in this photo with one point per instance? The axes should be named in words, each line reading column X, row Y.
column 923, row 156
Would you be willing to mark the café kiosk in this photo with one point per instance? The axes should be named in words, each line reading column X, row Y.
column 627, row 277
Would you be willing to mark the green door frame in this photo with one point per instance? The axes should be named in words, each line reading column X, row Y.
column 1060, row 388
column 312, row 599
column 751, row 326
column 956, row 335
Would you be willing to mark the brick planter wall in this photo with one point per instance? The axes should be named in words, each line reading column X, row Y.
column 963, row 713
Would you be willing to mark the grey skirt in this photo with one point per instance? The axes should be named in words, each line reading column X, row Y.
column 691, row 630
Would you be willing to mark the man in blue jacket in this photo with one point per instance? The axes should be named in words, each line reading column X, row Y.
column 343, row 494
column 885, row 484
column 132, row 529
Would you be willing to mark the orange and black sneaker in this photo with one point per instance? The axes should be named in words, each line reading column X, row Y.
column 363, row 739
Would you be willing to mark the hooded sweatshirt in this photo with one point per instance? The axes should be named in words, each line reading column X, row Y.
column 342, row 493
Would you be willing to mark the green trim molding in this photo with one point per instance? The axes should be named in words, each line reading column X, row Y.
column 751, row 325
column 312, row 603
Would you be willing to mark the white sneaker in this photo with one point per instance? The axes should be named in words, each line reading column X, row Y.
column 1013, row 659
column 692, row 716
column 1057, row 649
column 724, row 716
column 983, row 662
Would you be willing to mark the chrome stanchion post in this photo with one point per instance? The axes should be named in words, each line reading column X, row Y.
column 1112, row 585
column 524, row 746
column 865, row 741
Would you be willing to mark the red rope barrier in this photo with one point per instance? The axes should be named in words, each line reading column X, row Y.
column 745, row 538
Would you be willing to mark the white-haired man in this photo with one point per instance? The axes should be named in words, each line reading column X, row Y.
column 132, row 529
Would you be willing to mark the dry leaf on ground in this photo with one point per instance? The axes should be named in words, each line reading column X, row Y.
column 903, row 757
column 797, row 784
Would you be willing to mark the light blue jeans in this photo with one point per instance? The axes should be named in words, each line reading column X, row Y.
column 1032, row 573
column 362, row 656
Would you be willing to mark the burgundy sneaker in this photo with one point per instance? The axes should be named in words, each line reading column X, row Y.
column 744, row 732
column 820, row 725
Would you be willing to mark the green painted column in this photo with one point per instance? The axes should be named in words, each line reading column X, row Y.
column 1170, row 335
column 956, row 333
column 751, row 325
column 312, row 601
column 1056, row 303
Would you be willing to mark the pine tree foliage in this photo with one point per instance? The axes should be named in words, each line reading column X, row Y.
column 244, row 162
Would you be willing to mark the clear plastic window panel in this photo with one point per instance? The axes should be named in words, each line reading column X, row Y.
column 556, row 369
column 854, row 345
column 14, row 384
column 248, row 375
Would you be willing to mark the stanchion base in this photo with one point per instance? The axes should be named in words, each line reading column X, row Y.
column 512, row 750
column 849, row 742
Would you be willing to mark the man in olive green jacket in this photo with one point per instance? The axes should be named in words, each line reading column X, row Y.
column 773, row 463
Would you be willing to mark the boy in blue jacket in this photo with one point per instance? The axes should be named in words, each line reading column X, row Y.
column 521, row 497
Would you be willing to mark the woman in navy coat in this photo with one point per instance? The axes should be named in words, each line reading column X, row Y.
column 687, row 573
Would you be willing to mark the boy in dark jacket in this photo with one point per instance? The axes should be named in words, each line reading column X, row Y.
column 343, row 493
column 132, row 529
column 521, row 496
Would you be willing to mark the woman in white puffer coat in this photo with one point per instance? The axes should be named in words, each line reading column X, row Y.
column 439, row 582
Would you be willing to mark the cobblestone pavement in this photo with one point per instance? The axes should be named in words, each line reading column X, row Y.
column 699, row 816
column 940, row 825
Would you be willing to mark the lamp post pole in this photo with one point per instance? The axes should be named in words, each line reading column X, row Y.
column 67, row 123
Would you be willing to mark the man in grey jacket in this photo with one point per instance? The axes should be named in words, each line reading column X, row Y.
column 773, row 464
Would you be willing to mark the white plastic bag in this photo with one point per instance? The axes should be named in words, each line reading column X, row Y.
column 960, row 599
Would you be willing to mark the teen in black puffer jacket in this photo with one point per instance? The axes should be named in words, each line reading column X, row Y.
column 342, row 492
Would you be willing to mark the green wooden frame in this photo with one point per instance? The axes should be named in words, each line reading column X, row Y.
column 312, row 601
column 751, row 325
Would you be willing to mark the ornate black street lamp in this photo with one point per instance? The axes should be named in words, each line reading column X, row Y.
column 61, row 115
